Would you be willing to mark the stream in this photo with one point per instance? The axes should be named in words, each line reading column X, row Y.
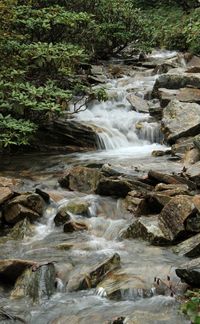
column 123, row 144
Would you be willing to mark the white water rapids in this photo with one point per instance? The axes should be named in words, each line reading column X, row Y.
column 116, row 122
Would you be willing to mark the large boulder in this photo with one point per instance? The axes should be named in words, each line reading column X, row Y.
column 113, row 187
column 190, row 273
column 174, row 215
column 180, row 119
column 81, row 179
column 74, row 226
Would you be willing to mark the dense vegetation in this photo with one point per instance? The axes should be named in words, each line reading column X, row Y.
column 45, row 46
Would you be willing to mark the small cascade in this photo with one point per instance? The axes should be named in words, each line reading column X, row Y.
column 116, row 121
column 150, row 132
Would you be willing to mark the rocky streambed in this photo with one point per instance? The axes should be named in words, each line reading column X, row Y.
column 111, row 235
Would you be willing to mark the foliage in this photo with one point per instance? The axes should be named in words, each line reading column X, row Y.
column 192, row 306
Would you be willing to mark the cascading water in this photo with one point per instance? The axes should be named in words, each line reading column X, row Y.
column 122, row 134
column 117, row 122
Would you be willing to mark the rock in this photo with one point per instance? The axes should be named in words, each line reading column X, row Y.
column 29, row 200
column 173, row 216
column 190, row 273
column 38, row 285
column 81, row 179
column 158, row 153
column 193, row 172
column 5, row 194
column 138, row 104
column 166, row 95
column 76, row 206
column 135, row 203
column 180, row 119
column 113, row 187
column 66, row 319
column 9, row 182
column 119, row 285
column 189, row 248
column 62, row 216
column 21, row 230
column 176, row 79
column 193, row 62
column 191, row 157
column 170, row 179
column 192, row 224
column 10, row 270
column 147, row 228
column 73, row 226
column 170, row 187
column 90, row 277
column 182, row 95
column 196, row 142
column 45, row 196
column 70, row 132
column 17, row 212
column 182, row 145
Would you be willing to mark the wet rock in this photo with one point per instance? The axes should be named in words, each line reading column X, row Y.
column 138, row 104
column 21, row 230
column 158, row 153
column 190, row 273
column 77, row 206
column 73, row 226
column 90, row 277
column 135, row 203
column 147, row 228
column 62, row 216
column 176, row 79
column 189, row 248
column 180, row 119
column 29, row 200
column 37, row 285
column 66, row 319
column 82, row 179
column 17, row 212
column 159, row 177
column 10, row 270
column 5, row 194
column 72, row 132
column 45, row 196
column 113, row 187
column 171, row 187
column 192, row 223
column 173, row 216
column 119, row 285
column 194, row 62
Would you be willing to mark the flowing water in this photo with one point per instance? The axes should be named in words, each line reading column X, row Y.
column 119, row 142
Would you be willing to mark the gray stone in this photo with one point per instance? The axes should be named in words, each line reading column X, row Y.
column 180, row 120
column 189, row 248
column 190, row 273
column 173, row 216
column 138, row 104
column 147, row 228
